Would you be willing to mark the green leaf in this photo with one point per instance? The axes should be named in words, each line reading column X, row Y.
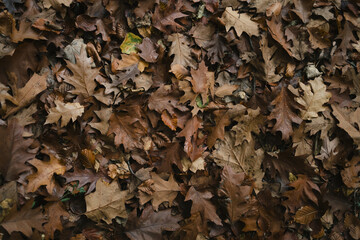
column 128, row 46
column 199, row 102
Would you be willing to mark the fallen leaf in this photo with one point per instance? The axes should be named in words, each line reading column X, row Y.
column 106, row 203
column 45, row 174
column 148, row 51
column 83, row 78
column 128, row 46
column 306, row 214
column 181, row 50
column 65, row 111
column 201, row 203
column 14, row 149
column 151, row 224
column 241, row 22
column 162, row 191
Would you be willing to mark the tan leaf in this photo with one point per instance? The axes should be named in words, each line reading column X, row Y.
column 104, row 116
column 106, row 203
column 127, row 61
column 45, row 174
column 181, row 50
column 83, row 78
column 305, row 215
column 346, row 120
column 24, row 117
column 313, row 98
column 225, row 90
column 26, row 95
column 164, row 191
column 65, row 111
column 241, row 22
column 5, row 96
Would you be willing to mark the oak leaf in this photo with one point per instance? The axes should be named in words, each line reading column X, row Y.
column 65, row 111
column 104, row 116
column 5, row 96
column 234, row 186
column 14, row 150
column 148, row 51
column 106, row 203
column 83, row 78
column 151, row 224
column 303, row 9
column 165, row 18
column 55, row 211
column 241, row 22
column 162, row 191
column 83, row 177
column 284, row 113
column 305, row 191
column 313, row 98
column 349, row 121
column 26, row 95
column 45, row 174
column 201, row 203
column 202, row 81
column 24, row 220
column 181, row 50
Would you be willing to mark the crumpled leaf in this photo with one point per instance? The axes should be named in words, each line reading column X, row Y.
column 350, row 174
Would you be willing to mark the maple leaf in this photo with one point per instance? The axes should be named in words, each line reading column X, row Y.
column 283, row 112
column 161, row 191
column 45, row 174
column 350, row 174
column 241, row 22
column 24, row 220
column 14, row 149
column 24, row 96
column 181, row 50
column 151, row 224
column 106, row 203
column 231, row 186
column 65, row 111
column 83, row 78
column 201, row 203
column 304, row 191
